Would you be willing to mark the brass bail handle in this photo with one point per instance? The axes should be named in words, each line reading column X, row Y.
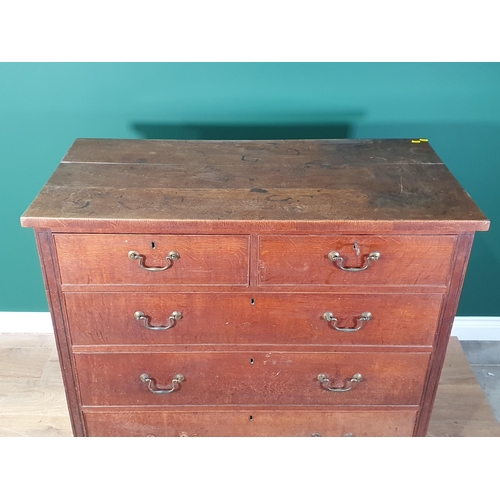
column 134, row 255
column 172, row 320
column 357, row 378
column 362, row 318
column 176, row 383
column 335, row 257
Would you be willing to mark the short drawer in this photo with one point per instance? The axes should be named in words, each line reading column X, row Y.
column 395, row 260
column 250, row 422
column 251, row 378
column 106, row 259
column 272, row 318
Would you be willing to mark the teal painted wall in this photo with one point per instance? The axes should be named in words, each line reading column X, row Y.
column 44, row 107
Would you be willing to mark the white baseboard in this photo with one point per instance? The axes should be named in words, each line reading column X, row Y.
column 25, row 322
column 464, row 327
column 476, row 327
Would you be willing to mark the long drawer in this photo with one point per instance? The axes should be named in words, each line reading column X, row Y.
column 395, row 260
column 251, row 378
column 228, row 318
column 250, row 422
column 117, row 259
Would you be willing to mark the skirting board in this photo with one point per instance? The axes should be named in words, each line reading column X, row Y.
column 464, row 327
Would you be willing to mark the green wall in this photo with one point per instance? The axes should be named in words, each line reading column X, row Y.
column 44, row 107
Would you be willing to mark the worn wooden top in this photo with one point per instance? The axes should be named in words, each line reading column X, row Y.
column 302, row 186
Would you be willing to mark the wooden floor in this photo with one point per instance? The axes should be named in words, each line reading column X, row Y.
column 32, row 401
column 461, row 408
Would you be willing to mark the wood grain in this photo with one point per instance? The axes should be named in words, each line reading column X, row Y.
column 251, row 422
column 228, row 181
column 461, row 408
column 460, row 261
column 254, row 222
column 252, row 318
column 251, row 378
column 404, row 260
column 32, row 396
column 203, row 259
column 52, row 280
column 335, row 151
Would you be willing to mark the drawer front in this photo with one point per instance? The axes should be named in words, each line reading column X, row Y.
column 247, row 378
column 404, row 260
column 251, row 422
column 104, row 259
column 227, row 318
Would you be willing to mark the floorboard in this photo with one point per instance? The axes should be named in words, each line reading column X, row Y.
column 461, row 407
column 32, row 400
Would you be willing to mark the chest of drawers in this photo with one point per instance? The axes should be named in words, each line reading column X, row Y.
column 252, row 288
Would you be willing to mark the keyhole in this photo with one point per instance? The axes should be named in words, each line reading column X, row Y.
column 356, row 248
column 153, row 246
column 251, row 418
column 251, row 361
column 252, row 302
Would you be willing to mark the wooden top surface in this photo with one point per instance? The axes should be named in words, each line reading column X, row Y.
column 385, row 185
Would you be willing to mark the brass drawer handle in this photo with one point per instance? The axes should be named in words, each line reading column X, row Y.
column 133, row 255
column 330, row 317
column 335, row 257
column 176, row 383
column 172, row 320
column 324, row 380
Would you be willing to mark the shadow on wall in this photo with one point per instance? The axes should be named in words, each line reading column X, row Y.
column 243, row 131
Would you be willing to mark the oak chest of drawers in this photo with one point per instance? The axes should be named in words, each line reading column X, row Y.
column 252, row 288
